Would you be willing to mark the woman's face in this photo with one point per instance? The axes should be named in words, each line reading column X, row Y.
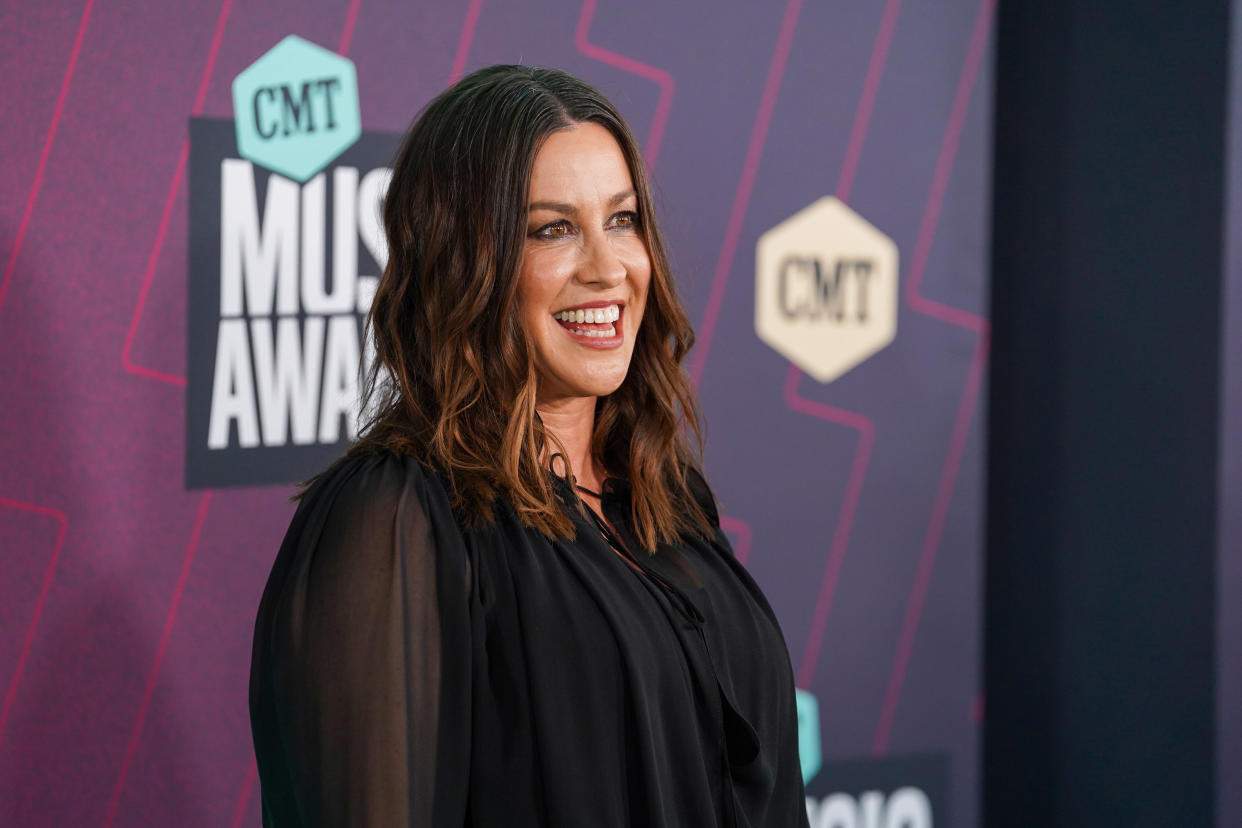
column 582, row 284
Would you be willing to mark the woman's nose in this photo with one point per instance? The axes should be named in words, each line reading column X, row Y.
column 601, row 264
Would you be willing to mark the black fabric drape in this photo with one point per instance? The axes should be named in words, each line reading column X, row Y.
column 408, row 671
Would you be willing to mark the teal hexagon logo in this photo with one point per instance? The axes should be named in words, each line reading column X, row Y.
column 296, row 108
column 808, row 735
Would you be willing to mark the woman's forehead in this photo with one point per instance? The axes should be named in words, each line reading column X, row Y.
column 579, row 164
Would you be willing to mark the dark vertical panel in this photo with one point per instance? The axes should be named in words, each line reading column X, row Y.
column 1103, row 432
column 1229, row 517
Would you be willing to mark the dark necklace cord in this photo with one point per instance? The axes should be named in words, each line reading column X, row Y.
column 610, row 535
column 683, row 603
column 574, row 483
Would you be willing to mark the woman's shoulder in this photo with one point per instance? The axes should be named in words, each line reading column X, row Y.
column 367, row 490
column 371, row 537
column 371, row 478
column 702, row 493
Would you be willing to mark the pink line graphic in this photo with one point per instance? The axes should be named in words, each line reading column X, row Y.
column 149, row 689
column 830, row 413
column 845, row 520
column 47, row 150
column 741, row 199
column 741, row 529
column 347, row 33
column 974, row 376
column 978, row 709
column 866, row 101
column 658, row 76
column 464, row 40
column 239, row 810
column 149, row 275
column 48, row 575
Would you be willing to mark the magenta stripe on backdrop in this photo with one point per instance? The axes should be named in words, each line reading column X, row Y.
column 974, row 378
column 47, row 149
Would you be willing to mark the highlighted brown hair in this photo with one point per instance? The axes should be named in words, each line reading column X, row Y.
column 453, row 380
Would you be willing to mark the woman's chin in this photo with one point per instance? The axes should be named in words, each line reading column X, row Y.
column 561, row 385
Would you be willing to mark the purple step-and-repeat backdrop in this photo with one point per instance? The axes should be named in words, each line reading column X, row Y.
column 823, row 177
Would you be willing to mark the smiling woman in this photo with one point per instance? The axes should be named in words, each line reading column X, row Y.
column 511, row 603
column 582, row 284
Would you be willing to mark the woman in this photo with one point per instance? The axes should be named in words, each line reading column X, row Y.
column 511, row 602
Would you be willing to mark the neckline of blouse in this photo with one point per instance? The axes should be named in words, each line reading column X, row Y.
column 610, row 487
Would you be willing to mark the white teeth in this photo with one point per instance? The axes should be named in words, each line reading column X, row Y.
column 606, row 333
column 590, row 316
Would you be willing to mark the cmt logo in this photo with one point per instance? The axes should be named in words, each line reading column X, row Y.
column 278, row 110
column 812, row 289
column 296, row 108
column 826, row 289
column 286, row 249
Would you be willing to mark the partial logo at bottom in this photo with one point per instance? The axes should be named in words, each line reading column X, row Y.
column 896, row 792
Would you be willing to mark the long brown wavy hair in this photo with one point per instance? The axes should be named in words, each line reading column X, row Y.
column 453, row 380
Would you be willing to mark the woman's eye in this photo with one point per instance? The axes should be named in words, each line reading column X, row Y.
column 554, row 230
column 626, row 220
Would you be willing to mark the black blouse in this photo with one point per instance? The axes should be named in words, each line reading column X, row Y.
column 408, row 671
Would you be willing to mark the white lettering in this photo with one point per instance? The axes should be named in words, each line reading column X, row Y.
column 315, row 296
column 287, row 368
column 366, row 292
column 287, row 360
column 344, row 239
column 259, row 261
column 371, row 192
column 340, row 380
column 232, row 391
column 836, row 811
column 906, row 807
column 870, row 809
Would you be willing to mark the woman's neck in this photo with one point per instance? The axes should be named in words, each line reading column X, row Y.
column 572, row 421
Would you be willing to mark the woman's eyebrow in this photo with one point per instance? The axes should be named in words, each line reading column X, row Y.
column 569, row 209
column 620, row 197
column 554, row 206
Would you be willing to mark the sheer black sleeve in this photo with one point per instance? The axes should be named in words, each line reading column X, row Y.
column 360, row 675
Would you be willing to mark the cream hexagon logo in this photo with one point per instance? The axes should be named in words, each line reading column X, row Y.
column 826, row 289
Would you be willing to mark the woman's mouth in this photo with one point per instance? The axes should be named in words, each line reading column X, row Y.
column 592, row 324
